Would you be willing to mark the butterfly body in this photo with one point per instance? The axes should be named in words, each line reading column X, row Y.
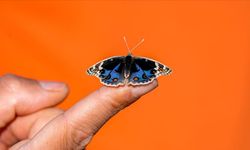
column 121, row 70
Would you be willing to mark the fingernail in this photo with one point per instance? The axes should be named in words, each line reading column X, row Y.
column 52, row 86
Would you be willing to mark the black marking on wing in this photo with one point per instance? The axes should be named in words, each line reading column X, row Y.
column 147, row 66
column 107, row 64
column 154, row 67
column 138, row 75
column 114, row 76
column 111, row 63
column 144, row 63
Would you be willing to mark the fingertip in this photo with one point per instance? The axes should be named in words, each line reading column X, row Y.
column 141, row 90
column 53, row 92
column 137, row 90
column 57, row 91
column 125, row 95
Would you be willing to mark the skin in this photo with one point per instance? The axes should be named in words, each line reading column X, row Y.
column 29, row 119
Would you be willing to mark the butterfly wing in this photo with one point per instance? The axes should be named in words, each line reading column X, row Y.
column 109, row 71
column 144, row 70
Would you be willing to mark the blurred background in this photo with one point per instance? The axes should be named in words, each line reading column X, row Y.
column 203, row 105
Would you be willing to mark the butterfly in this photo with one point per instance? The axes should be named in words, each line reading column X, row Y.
column 130, row 70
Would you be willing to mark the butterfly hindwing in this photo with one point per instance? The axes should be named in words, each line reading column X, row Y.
column 145, row 70
column 109, row 71
column 138, row 75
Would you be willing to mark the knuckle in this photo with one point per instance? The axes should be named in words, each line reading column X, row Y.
column 56, row 111
column 10, row 82
column 50, row 113
column 77, row 133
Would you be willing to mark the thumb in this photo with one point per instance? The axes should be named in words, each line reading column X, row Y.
column 75, row 128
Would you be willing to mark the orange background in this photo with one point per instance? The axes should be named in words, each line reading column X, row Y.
column 203, row 105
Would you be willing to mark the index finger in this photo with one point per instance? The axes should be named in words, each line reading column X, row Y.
column 75, row 128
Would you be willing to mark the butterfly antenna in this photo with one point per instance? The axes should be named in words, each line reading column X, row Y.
column 138, row 44
column 130, row 50
column 125, row 40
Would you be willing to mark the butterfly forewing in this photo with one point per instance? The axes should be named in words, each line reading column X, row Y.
column 109, row 71
column 145, row 70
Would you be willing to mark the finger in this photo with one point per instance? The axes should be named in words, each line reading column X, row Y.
column 31, row 124
column 75, row 128
column 3, row 146
column 21, row 96
column 18, row 145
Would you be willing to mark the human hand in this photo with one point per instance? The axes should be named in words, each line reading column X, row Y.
column 29, row 120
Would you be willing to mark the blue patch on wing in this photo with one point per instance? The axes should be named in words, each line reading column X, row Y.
column 112, row 77
column 140, row 76
column 149, row 73
column 104, row 73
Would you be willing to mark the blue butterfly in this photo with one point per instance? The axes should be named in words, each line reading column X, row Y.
column 121, row 70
